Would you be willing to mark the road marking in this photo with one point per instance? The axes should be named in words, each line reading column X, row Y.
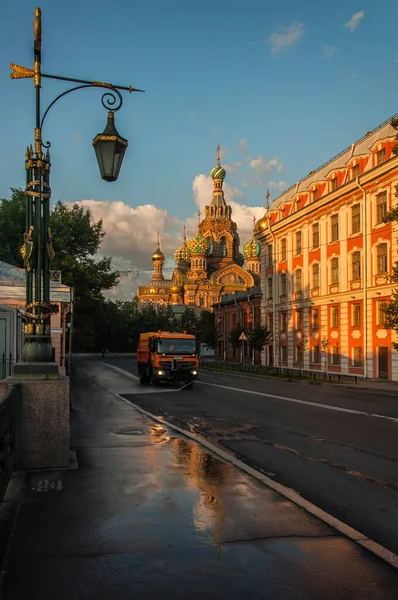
column 306, row 402
column 142, row 389
column 357, row 537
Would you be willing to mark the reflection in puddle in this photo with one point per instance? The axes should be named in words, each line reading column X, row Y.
column 159, row 434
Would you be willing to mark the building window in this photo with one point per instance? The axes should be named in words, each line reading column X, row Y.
column 335, row 355
column 356, row 315
column 334, row 316
column 355, row 172
column 299, row 319
column 316, row 354
column 298, row 204
column 381, row 312
column 357, row 357
column 382, row 262
column 233, row 321
column 283, row 249
column 356, row 218
column 356, row 265
column 270, row 324
column 334, row 270
column 284, row 353
column 284, row 321
column 315, row 276
column 315, row 195
column 381, row 156
column 381, row 206
column 201, row 301
column 299, row 354
column 269, row 288
column 334, row 228
column 268, row 255
column 297, row 281
column 315, row 319
column 315, row 235
column 298, row 242
column 283, row 284
column 334, row 185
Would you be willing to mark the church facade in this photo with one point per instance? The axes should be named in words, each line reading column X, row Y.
column 210, row 264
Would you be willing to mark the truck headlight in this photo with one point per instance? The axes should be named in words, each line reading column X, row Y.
column 160, row 372
column 194, row 372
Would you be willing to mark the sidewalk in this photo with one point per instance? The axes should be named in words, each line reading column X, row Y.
column 150, row 515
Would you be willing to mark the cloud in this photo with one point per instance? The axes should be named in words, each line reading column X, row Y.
column 281, row 186
column 261, row 169
column 329, row 51
column 234, row 166
column 77, row 137
column 242, row 146
column 355, row 20
column 282, row 39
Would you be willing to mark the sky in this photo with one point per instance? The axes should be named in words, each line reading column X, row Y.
column 282, row 87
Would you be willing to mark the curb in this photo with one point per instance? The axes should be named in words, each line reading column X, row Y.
column 8, row 510
column 354, row 535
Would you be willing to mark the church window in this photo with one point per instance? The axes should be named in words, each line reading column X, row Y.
column 223, row 247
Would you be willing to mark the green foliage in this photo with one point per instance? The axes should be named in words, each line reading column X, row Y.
column 259, row 337
column 234, row 336
column 12, row 227
column 207, row 329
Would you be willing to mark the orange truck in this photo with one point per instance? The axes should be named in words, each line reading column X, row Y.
column 165, row 356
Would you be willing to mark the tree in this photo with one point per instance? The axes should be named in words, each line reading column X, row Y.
column 234, row 335
column 12, row 227
column 259, row 337
column 207, row 331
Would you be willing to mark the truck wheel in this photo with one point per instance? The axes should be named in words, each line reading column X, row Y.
column 152, row 379
column 142, row 375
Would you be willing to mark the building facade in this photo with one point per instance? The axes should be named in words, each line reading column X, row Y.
column 209, row 265
column 326, row 259
column 12, row 306
column 241, row 309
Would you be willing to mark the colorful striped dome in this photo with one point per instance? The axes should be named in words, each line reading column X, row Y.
column 183, row 254
column 198, row 244
column 218, row 172
column 252, row 249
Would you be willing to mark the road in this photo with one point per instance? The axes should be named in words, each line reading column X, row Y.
column 326, row 444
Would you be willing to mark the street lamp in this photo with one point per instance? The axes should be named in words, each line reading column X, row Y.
column 37, row 251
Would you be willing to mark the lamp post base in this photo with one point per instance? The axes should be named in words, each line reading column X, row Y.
column 37, row 349
column 36, row 370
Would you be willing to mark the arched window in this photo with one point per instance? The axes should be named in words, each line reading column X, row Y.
column 223, row 247
column 211, row 246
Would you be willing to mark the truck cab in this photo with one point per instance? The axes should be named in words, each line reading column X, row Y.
column 165, row 356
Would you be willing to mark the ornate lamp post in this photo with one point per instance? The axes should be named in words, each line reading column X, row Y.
column 37, row 250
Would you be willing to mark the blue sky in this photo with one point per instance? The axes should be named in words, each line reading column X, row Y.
column 282, row 87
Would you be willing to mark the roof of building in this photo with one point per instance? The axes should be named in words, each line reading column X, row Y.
column 253, row 292
column 361, row 147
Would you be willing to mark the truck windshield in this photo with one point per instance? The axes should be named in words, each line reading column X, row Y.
column 176, row 346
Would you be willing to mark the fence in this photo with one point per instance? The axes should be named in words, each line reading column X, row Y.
column 7, row 362
column 9, row 436
column 279, row 371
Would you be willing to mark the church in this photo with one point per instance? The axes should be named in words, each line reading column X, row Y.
column 210, row 264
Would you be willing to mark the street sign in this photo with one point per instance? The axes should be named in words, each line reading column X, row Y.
column 242, row 337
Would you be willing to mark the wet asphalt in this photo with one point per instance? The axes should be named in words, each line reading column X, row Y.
column 150, row 514
column 346, row 464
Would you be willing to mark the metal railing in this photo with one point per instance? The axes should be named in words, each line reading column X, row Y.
column 9, row 436
column 279, row 371
column 7, row 362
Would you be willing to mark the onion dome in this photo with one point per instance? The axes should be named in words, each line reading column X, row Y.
column 252, row 249
column 183, row 254
column 218, row 172
column 198, row 244
column 158, row 254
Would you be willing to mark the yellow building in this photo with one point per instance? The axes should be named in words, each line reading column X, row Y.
column 210, row 264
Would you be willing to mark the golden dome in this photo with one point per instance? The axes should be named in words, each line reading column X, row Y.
column 158, row 254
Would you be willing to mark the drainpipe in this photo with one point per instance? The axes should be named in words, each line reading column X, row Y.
column 241, row 320
column 365, row 283
column 71, row 324
column 253, row 314
column 224, row 329
column 273, row 292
